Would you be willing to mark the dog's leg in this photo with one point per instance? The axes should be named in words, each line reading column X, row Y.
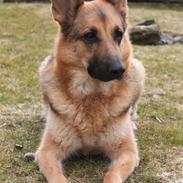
column 124, row 161
column 49, row 156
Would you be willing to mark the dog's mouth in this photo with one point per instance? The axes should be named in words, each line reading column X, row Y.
column 105, row 71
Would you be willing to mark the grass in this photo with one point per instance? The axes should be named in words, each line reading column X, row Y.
column 27, row 35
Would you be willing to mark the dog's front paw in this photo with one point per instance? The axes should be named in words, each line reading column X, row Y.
column 112, row 177
column 58, row 179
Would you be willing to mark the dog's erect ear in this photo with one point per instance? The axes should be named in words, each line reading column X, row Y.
column 64, row 11
column 120, row 5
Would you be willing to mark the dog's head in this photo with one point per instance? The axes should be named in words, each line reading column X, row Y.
column 93, row 36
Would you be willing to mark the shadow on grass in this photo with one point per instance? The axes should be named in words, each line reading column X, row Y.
column 86, row 168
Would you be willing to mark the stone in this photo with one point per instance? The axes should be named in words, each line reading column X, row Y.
column 146, row 33
column 170, row 38
column 166, row 38
column 18, row 146
column 178, row 39
column 29, row 156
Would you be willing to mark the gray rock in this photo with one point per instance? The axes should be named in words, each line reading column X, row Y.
column 178, row 39
column 170, row 38
column 166, row 38
column 29, row 156
column 146, row 33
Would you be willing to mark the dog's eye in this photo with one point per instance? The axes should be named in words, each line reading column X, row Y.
column 91, row 36
column 118, row 35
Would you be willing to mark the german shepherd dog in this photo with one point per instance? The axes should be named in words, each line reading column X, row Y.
column 90, row 86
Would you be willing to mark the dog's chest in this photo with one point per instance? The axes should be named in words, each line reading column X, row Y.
column 96, row 121
column 91, row 115
column 96, row 112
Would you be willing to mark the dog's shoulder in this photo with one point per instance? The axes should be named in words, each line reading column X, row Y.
column 139, row 68
column 46, row 63
column 46, row 69
column 137, row 72
column 135, row 80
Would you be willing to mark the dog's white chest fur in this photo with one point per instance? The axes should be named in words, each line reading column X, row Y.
column 83, row 132
column 95, row 121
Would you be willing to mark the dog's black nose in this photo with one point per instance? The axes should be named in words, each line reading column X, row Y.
column 116, row 69
column 106, row 70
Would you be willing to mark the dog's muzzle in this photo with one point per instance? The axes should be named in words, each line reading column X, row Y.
column 106, row 71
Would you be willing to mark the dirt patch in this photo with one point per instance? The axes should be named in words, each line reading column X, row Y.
column 175, row 174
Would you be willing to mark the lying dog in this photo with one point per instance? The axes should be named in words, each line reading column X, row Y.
column 90, row 87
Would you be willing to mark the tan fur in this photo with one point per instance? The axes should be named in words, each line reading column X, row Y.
column 84, row 113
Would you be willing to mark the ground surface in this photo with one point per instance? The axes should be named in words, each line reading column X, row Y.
column 26, row 36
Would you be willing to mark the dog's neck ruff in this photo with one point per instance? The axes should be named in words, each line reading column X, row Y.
column 83, row 85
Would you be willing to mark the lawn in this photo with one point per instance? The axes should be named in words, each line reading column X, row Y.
column 27, row 35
